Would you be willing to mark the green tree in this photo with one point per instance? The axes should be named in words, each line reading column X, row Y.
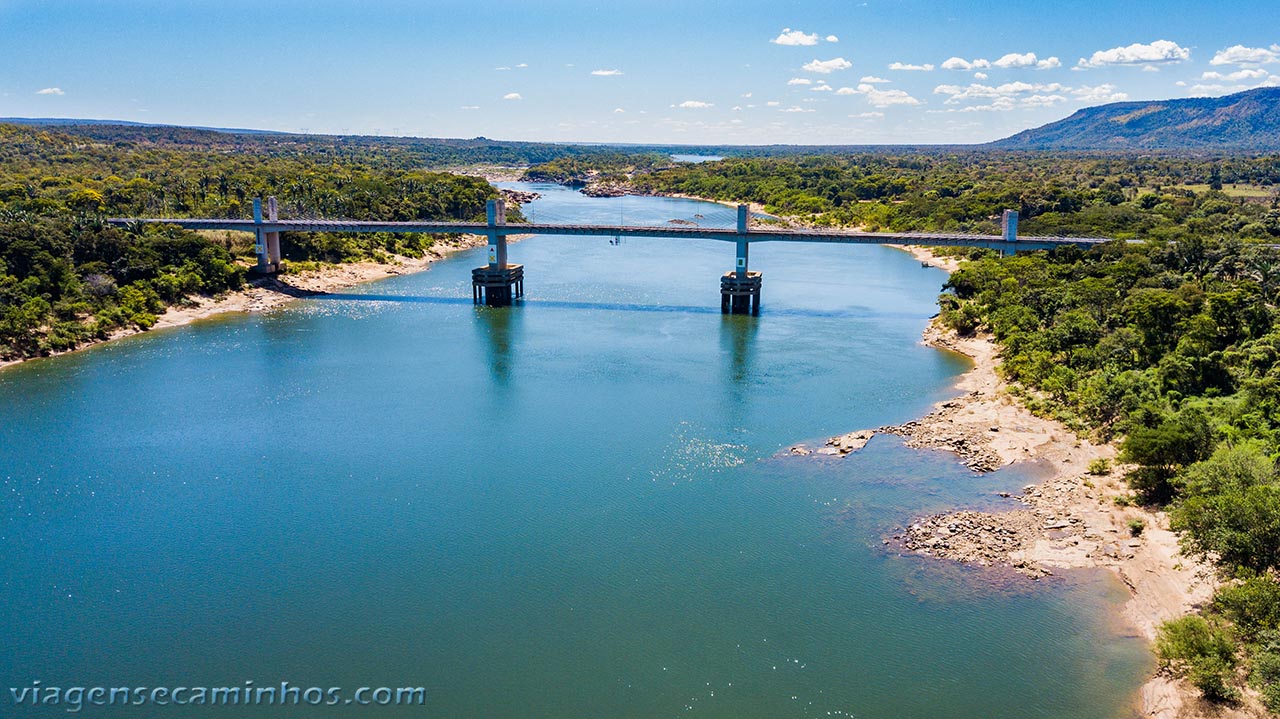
column 1230, row 509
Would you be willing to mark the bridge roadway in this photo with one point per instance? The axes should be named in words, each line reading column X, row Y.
column 727, row 234
column 499, row 283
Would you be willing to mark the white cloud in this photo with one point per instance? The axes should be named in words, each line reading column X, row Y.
column 736, row 108
column 1242, row 79
column 1237, row 76
column 824, row 87
column 1099, row 93
column 867, row 115
column 50, row 91
column 1000, row 104
column 825, row 67
column 1241, row 55
column 1008, row 104
column 512, row 96
column 846, row 91
column 832, row 38
column 795, row 37
column 469, row 107
column 959, row 63
column 694, row 104
column 618, row 111
column 885, row 98
column 1013, row 59
column 504, row 67
column 1200, row 90
column 980, row 76
column 606, row 73
column 904, row 66
column 873, row 79
column 773, row 103
column 1009, row 61
column 799, row 81
column 1042, row 100
column 957, row 93
column 1160, row 51
column 1150, row 68
column 746, row 94
column 523, row 64
column 797, row 109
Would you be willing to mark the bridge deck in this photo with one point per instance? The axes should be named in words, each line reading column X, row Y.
column 763, row 234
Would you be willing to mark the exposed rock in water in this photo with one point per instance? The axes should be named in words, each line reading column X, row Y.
column 937, row 431
column 848, row 443
column 518, row 197
column 605, row 189
column 978, row 538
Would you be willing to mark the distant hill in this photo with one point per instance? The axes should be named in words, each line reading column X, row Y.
column 238, row 138
column 69, row 121
column 1247, row 120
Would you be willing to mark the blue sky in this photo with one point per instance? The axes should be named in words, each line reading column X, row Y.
column 743, row 72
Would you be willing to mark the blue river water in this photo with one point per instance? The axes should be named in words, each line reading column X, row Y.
column 576, row 507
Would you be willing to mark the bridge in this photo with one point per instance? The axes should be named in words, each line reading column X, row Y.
column 499, row 283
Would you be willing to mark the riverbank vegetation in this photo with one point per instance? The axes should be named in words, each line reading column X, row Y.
column 67, row 277
column 1174, row 348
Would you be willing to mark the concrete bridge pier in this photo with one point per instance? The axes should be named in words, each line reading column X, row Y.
column 273, row 238
column 498, row 283
column 266, row 244
column 1009, row 230
column 259, row 239
column 740, row 289
column 1009, row 225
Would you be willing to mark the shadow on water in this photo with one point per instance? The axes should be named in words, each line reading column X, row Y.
column 737, row 339
column 851, row 313
column 501, row 329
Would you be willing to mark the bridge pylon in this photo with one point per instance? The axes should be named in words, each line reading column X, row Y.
column 266, row 242
column 273, row 237
column 497, row 284
column 740, row 288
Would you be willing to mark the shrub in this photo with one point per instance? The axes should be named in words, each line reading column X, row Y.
column 1200, row 650
column 1231, row 509
column 1265, row 676
column 1252, row 605
column 1136, row 526
column 1100, row 466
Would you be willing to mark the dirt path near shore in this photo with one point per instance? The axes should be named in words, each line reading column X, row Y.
column 265, row 294
column 1069, row 520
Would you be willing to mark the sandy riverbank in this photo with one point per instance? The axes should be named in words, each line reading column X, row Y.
column 267, row 293
column 756, row 207
column 1069, row 520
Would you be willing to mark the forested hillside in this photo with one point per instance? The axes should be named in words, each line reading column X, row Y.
column 1243, row 121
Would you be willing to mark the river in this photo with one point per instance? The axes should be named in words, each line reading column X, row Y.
column 571, row 508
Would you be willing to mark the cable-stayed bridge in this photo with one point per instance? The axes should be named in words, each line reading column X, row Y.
column 499, row 283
